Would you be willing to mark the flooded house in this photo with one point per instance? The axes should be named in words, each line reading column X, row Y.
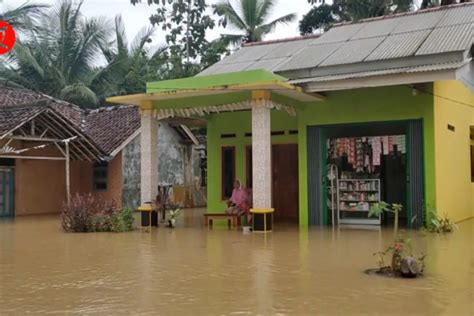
column 322, row 127
column 51, row 150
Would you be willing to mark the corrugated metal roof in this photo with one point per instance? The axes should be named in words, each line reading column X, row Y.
column 353, row 51
column 287, row 49
column 214, row 69
column 390, row 39
column 340, row 33
column 460, row 15
column 268, row 64
column 310, row 57
column 417, row 22
column 376, row 28
column 399, row 45
column 448, row 39
column 235, row 67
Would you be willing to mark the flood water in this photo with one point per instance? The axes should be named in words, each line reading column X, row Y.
column 194, row 271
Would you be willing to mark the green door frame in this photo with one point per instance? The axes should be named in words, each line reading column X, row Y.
column 323, row 132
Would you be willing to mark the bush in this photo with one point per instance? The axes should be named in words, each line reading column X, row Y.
column 77, row 217
column 86, row 214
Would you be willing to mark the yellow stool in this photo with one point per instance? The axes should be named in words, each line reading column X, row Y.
column 262, row 219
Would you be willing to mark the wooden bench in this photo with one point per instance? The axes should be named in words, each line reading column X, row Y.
column 232, row 219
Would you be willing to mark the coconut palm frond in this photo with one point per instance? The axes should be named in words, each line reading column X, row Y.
column 18, row 16
column 23, row 55
column 250, row 16
column 230, row 14
column 267, row 28
column 250, row 12
column 80, row 94
column 143, row 37
column 120, row 36
column 264, row 9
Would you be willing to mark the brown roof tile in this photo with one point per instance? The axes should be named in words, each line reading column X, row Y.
column 107, row 127
column 12, row 116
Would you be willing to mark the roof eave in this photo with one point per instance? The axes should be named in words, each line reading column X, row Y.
column 274, row 86
column 381, row 80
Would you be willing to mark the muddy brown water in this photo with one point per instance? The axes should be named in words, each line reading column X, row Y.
column 194, row 271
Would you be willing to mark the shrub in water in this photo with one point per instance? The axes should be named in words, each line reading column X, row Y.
column 87, row 214
column 78, row 215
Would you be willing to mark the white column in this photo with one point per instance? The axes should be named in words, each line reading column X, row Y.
column 261, row 151
column 149, row 157
column 68, row 174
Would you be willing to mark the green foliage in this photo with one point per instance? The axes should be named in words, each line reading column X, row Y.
column 378, row 208
column 250, row 17
column 22, row 17
column 440, row 224
column 185, row 23
column 58, row 55
column 317, row 19
column 188, row 52
column 61, row 49
column 122, row 221
column 321, row 17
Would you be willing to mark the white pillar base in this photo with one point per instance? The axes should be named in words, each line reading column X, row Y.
column 149, row 157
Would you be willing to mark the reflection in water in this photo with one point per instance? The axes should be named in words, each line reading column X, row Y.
column 192, row 270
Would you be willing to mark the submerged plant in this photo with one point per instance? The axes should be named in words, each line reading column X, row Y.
column 378, row 208
column 87, row 214
column 173, row 215
column 440, row 224
column 401, row 250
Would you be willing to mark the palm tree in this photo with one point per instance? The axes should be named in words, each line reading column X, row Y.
column 59, row 56
column 20, row 17
column 132, row 64
column 249, row 16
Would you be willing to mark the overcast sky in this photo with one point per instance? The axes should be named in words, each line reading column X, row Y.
column 136, row 17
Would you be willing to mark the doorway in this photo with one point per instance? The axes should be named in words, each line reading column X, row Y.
column 7, row 192
column 284, row 181
column 400, row 172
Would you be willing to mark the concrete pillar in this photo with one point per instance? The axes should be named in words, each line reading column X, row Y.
column 149, row 156
column 261, row 150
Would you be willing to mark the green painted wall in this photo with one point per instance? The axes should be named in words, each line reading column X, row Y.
column 238, row 123
column 351, row 106
column 367, row 105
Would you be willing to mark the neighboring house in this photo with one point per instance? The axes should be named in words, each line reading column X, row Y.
column 388, row 98
column 34, row 130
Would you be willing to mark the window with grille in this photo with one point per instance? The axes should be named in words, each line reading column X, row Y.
column 100, row 176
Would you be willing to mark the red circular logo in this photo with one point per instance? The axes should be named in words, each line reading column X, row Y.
column 7, row 37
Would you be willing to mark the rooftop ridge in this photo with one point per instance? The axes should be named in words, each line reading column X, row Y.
column 409, row 13
column 282, row 40
column 108, row 108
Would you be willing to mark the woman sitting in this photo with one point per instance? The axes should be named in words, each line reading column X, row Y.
column 239, row 201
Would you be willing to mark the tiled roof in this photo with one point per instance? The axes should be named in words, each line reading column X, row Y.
column 14, row 97
column 421, row 38
column 107, row 127
column 12, row 116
